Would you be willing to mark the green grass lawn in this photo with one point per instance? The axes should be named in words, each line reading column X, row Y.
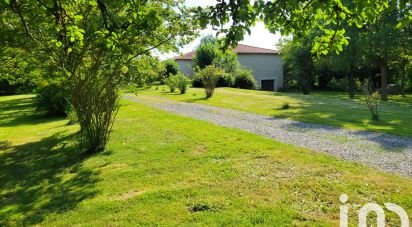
column 329, row 108
column 164, row 169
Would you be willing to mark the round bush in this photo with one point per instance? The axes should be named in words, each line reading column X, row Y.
column 244, row 79
column 227, row 80
column 197, row 82
column 52, row 100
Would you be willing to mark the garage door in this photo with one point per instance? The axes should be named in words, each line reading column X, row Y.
column 267, row 85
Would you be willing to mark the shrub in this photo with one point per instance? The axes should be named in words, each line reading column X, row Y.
column 96, row 102
column 52, row 100
column 209, row 77
column 182, row 83
column 172, row 83
column 197, row 82
column 71, row 115
column 143, row 71
column 226, row 80
column 244, row 79
column 372, row 100
column 8, row 88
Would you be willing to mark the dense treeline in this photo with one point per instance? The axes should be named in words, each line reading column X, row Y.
column 378, row 52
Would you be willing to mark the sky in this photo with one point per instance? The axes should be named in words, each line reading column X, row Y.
column 259, row 36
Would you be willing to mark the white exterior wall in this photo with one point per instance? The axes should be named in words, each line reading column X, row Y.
column 264, row 67
column 185, row 67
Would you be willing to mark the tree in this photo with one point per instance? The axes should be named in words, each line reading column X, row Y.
column 293, row 17
column 171, row 68
column 387, row 43
column 351, row 58
column 377, row 41
column 172, row 82
column 298, row 63
column 209, row 77
column 210, row 52
column 92, row 44
column 18, row 72
column 206, row 52
column 144, row 70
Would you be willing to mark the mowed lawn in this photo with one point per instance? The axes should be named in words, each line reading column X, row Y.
column 164, row 169
column 330, row 108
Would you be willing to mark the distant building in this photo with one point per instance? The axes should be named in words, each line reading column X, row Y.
column 266, row 65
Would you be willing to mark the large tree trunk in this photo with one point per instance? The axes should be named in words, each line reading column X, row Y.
column 384, row 79
column 351, row 82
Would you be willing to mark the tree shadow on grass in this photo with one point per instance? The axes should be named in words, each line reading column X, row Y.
column 196, row 99
column 21, row 112
column 41, row 178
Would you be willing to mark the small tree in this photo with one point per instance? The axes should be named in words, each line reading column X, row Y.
column 92, row 44
column 172, row 82
column 209, row 52
column 144, row 70
column 182, row 83
column 209, row 77
column 372, row 100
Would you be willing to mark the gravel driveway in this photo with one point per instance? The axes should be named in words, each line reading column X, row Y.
column 382, row 151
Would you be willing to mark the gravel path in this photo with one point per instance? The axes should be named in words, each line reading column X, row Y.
column 382, row 151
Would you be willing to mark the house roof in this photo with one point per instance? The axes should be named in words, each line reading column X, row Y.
column 240, row 49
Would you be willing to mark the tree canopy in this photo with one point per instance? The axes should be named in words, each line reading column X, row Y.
column 92, row 45
column 297, row 18
column 209, row 52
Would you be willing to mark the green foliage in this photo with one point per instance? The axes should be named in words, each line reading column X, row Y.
column 226, row 80
column 280, row 16
column 338, row 84
column 94, row 46
column 197, row 82
column 209, row 52
column 377, row 47
column 19, row 72
column 71, row 115
column 172, row 82
column 143, row 71
column 209, row 77
column 96, row 108
column 206, row 52
column 171, row 68
column 244, row 79
column 298, row 63
column 52, row 100
column 182, row 83
column 15, row 87
column 371, row 100
column 178, row 81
